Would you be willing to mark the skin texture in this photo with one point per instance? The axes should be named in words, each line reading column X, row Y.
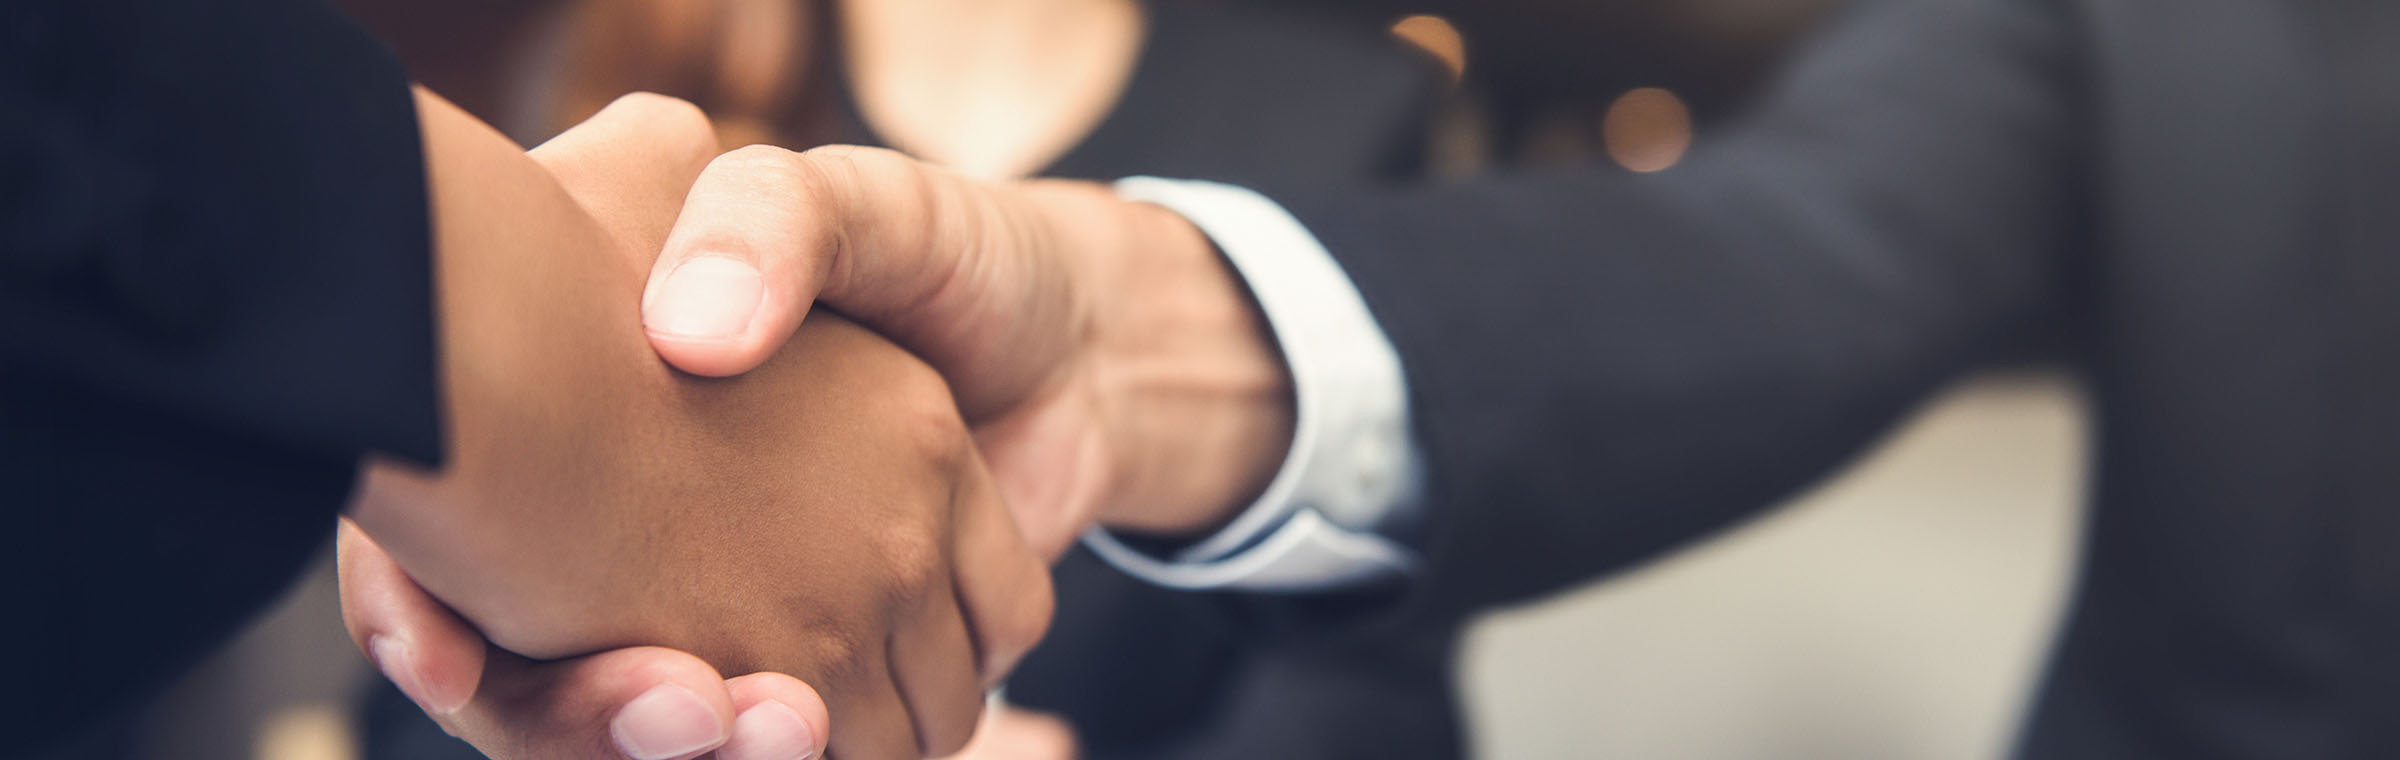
column 746, row 62
column 1112, row 363
column 1115, row 365
column 512, row 707
column 1012, row 734
column 1115, row 368
column 826, row 517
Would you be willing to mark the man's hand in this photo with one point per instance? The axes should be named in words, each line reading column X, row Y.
column 1113, row 366
column 825, row 517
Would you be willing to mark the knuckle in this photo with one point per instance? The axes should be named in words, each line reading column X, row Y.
column 1012, row 627
column 911, row 551
column 926, row 388
column 937, row 433
column 761, row 155
column 664, row 110
column 838, row 173
column 890, row 172
column 1029, row 619
column 947, row 733
column 763, row 161
column 826, row 177
column 926, row 416
column 836, row 654
column 863, row 159
column 671, row 124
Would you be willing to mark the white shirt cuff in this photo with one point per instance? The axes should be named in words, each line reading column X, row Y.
column 1352, row 478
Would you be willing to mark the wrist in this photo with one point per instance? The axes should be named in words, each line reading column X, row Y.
column 1197, row 386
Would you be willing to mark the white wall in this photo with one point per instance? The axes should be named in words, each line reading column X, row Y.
column 1895, row 612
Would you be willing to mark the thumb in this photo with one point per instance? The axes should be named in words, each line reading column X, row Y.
column 967, row 276
column 761, row 232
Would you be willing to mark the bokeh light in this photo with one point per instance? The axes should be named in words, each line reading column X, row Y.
column 1647, row 129
column 1438, row 38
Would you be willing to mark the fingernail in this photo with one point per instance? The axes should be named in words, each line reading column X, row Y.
column 398, row 662
column 770, row 731
column 667, row 721
column 710, row 297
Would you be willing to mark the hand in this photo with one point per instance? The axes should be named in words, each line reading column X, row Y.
column 1011, row 733
column 825, row 517
column 622, row 703
column 1113, row 366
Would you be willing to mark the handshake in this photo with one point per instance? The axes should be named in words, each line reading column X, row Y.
column 888, row 397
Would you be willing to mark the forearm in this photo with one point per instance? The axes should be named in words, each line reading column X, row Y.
column 1606, row 366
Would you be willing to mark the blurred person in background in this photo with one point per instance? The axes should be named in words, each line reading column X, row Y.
column 1587, row 368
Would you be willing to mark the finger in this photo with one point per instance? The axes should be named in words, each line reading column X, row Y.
column 870, row 721
column 1002, row 585
column 1048, row 458
column 933, row 663
column 1010, row 733
column 645, row 703
column 630, row 165
column 765, row 232
column 777, row 718
column 424, row 648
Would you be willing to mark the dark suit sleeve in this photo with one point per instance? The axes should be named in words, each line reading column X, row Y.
column 1604, row 365
column 214, row 276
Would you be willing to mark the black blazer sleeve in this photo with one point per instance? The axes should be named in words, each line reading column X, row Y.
column 214, row 276
column 1604, row 365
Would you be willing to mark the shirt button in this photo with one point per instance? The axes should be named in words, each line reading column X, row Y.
column 1354, row 499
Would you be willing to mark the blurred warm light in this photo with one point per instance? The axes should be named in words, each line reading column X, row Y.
column 1647, row 129
column 756, row 53
column 1438, row 38
column 307, row 732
